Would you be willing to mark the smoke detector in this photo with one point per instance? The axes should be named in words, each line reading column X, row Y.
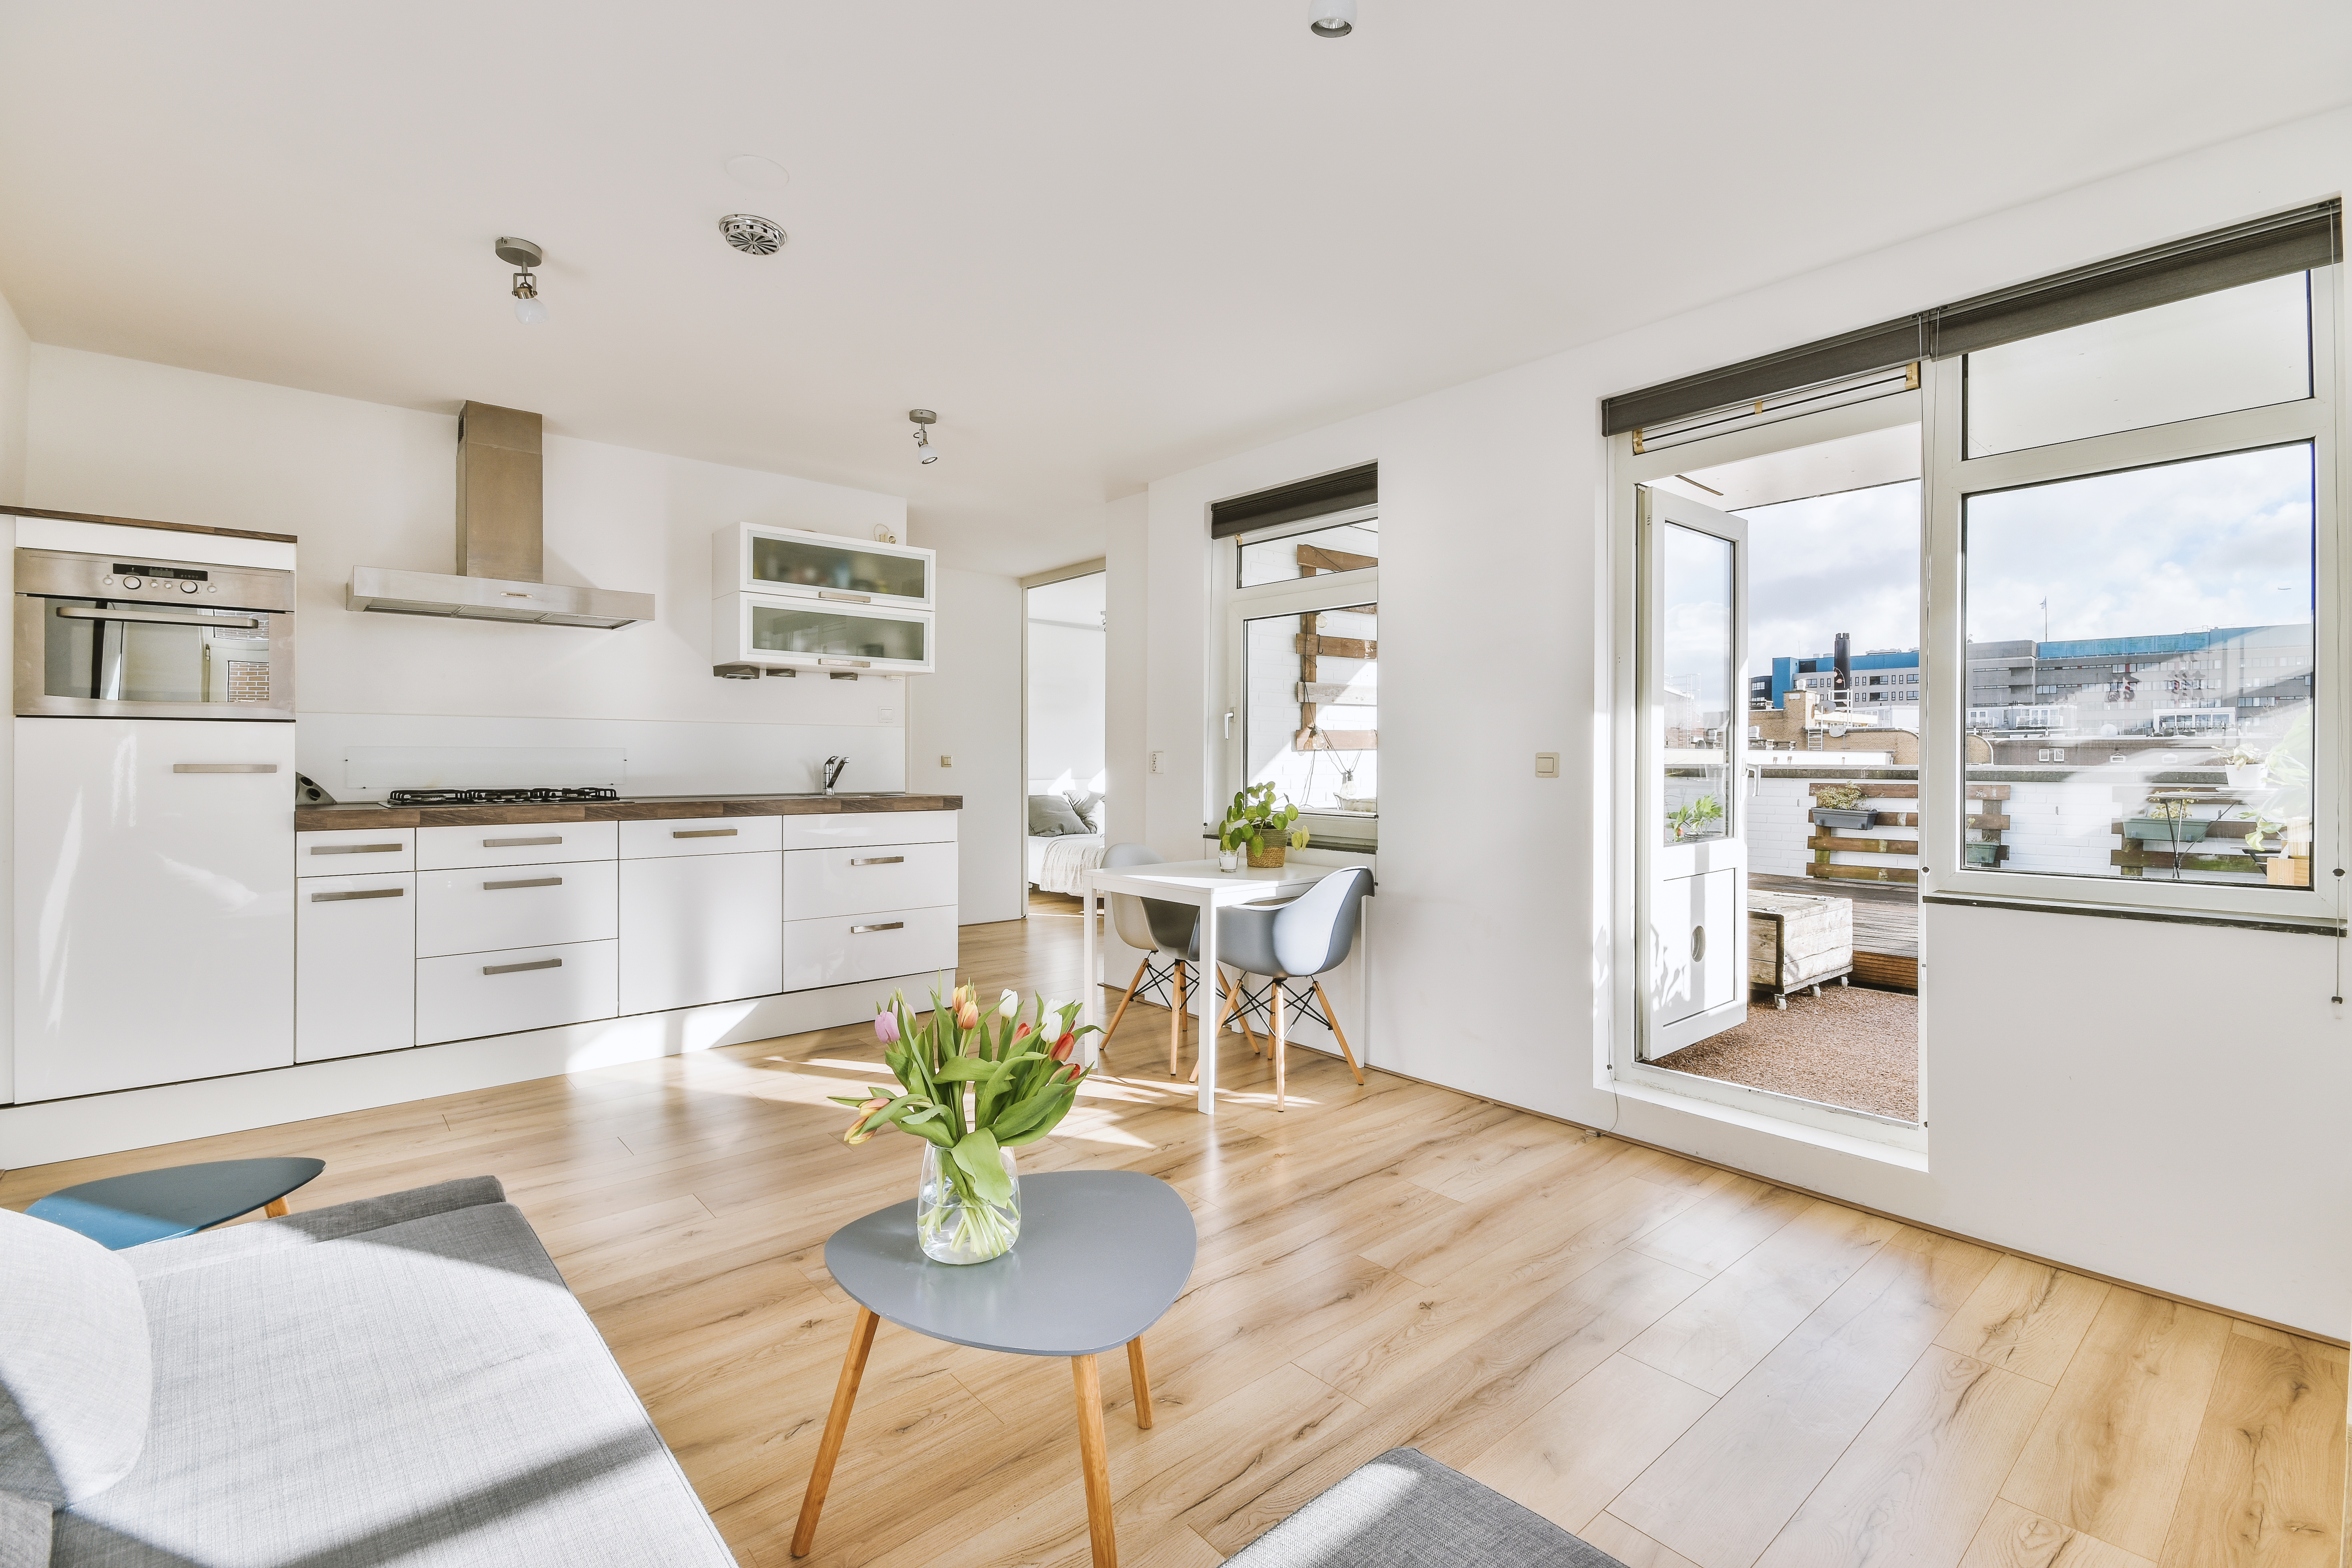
column 753, row 235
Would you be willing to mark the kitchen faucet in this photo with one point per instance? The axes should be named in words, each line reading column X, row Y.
column 833, row 767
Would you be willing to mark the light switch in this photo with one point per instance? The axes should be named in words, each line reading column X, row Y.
column 1547, row 764
column 946, row 761
column 888, row 714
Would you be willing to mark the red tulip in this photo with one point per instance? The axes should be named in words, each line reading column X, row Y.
column 1063, row 1047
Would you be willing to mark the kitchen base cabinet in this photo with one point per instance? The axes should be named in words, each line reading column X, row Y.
column 355, row 966
column 154, row 900
column 701, row 927
column 841, row 949
column 852, row 881
column 487, row 909
column 476, row 993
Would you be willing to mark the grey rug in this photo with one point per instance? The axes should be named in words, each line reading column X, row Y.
column 1404, row 1509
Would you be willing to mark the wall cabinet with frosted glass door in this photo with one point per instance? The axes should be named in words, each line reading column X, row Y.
column 786, row 597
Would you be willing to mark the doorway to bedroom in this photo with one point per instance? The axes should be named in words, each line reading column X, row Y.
column 1062, row 724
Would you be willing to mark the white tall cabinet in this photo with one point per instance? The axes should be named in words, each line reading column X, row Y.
column 155, row 902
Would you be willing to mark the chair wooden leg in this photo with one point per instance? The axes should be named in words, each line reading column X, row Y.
column 1328, row 1011
column 1096, row 1461
column 1233, row 994
column 1176, row 1021
column 1281, row 1038
column 844, row 1395
column 1137, row 1375
column 276, row 1206
column 1123, row 1001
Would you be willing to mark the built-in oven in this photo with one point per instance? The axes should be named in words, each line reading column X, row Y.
column 107, row 638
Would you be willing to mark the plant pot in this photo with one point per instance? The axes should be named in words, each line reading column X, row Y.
column 1828, row 818
column 1268, row 858
column 2249, row 777
column 2157, row 831
column 954, row 1225
column 1983, row 854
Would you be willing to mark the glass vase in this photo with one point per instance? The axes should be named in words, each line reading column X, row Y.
column 954, row 1224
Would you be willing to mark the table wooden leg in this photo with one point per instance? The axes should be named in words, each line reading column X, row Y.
column 275, row 1208
column 1142, row 1378
column 1095, row 1459
column 844, row 1395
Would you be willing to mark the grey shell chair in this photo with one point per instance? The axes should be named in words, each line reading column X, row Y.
column 1300, row 940
column 1167, row 935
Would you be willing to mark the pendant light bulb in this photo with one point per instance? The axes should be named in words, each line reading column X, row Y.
column 529, row 308
column 1331, row 18
column 522, row 254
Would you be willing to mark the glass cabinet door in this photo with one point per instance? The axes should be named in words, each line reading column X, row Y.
column 815, row 566
column 827, row 634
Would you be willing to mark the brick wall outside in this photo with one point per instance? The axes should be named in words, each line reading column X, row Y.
column 249, row 680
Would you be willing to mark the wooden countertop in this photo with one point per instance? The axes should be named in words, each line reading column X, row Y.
column 312, row 817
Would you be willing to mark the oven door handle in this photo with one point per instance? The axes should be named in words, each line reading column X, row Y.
column 231, row 623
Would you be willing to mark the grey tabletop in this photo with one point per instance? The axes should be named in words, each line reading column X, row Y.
column 1102, row 1255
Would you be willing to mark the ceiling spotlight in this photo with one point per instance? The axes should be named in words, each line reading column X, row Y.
column 924, row 419
column 753, row 235
column 1331, row 18
column 523, row 255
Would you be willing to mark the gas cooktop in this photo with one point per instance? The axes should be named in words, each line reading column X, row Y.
column 497, row 796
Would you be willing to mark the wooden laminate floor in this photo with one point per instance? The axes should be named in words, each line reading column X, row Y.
column 1682, row 1365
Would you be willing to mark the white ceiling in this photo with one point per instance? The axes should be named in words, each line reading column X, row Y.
column 1106, row 239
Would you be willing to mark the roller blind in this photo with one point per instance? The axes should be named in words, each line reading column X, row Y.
column 1342, row 491
column 2245, row 253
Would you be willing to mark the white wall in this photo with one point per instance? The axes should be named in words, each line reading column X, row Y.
column 364, row 484
column 1067, row 652
column 2077, row 1106
column 1127, row 609
column 970, row 711
column 15, row 366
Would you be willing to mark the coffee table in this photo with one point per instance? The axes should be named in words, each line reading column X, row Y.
column 1102, row 1256
column 179, row 1200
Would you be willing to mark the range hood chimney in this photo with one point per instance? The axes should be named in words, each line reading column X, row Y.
column 500, row 542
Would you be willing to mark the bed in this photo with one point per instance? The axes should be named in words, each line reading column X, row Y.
column 1056, row 860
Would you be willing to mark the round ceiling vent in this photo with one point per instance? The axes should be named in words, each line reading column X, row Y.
column 751, row 235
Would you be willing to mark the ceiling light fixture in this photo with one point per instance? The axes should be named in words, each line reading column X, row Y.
column 753, row 235
column 523, row 255
column 924, row 419
column 1331, row 18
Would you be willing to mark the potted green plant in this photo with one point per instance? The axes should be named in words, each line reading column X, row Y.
column 2245, row 768
column 1256, row 815
column 1697, row 818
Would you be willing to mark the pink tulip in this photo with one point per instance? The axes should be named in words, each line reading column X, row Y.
column 858, row 1130
column 885, row 1027
column 1063, row 1047
column 968, row 1016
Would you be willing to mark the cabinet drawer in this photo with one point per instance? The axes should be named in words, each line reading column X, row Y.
column 487, row 907
column 513, row 844
column 845, row 947
column 478, row 994
column 852, row 881
column 350, row 851
column 844, row 828
column 355, row 966
column 700, row 928
column 701, row 836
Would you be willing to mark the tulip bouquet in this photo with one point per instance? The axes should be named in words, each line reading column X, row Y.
column 972, row 1086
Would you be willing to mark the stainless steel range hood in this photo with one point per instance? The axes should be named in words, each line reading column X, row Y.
column 501, row 516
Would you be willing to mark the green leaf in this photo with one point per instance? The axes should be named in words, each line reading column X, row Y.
column 1051, row 1107
column 966, row 1069
column 976, row 1154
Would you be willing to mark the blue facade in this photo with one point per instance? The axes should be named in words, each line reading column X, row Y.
column 1775, row 688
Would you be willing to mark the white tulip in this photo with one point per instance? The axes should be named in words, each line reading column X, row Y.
column 1008, row 1005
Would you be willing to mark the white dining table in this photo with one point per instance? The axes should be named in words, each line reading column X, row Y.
column 1200, row 884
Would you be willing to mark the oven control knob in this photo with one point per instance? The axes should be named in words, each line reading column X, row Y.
column 187, row 587
column 108, row 581
column 213, row 588
column 131, row 582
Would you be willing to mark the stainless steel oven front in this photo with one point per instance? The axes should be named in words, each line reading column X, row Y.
column 104, row 636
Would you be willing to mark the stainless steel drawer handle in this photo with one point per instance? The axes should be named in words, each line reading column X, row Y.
column 518, row 968
column 849, row 663
column 224, row 767
column 526, row 883
column 518, row 843
column 370, row 893
column 887, row 925
column 881, row 861
column 357, row 848
column 706, row 833
column 220, row 622
column 846, row 598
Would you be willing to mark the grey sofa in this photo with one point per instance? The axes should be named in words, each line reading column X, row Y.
column 405, row 1379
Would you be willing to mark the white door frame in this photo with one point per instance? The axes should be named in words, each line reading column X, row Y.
column 1618, row 789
